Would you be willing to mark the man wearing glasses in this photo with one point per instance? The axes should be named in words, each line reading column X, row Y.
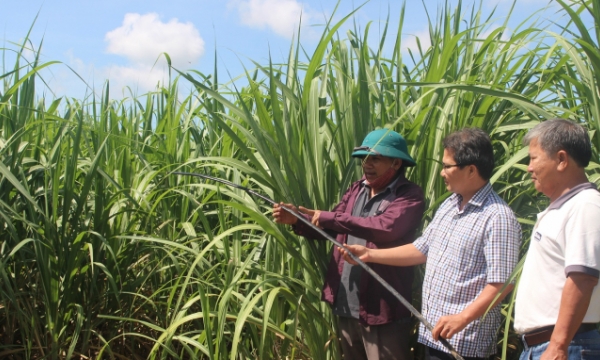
column 381, row 210
column 470, row 249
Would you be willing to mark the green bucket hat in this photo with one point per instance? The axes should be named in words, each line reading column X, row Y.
column 384, row 142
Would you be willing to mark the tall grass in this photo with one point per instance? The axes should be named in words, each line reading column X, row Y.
column 104, row 254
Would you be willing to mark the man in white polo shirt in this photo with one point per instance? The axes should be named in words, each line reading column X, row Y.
column 558, row 300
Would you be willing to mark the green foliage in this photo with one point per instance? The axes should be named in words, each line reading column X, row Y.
column 104, row 254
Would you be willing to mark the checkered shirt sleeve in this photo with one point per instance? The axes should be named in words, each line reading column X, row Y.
column 466, row 250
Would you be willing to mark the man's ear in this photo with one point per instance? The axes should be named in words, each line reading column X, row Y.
column 472, row 169
column 397, row 164
column 563, row 160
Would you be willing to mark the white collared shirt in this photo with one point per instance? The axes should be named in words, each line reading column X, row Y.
column 566, row 239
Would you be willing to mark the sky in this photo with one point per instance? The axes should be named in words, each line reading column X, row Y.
column 122, row 41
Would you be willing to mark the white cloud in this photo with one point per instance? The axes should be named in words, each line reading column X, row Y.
column 281, row 16
column 142, row 38
column 409, row 42
column 139, row 78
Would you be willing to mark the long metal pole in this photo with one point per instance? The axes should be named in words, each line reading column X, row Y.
column 362, row 264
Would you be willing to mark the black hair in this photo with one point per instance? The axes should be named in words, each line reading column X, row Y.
column 472, row 146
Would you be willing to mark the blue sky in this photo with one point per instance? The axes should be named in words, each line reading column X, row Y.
column 122, row 40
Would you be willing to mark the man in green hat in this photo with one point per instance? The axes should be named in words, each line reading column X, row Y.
column 381, row 210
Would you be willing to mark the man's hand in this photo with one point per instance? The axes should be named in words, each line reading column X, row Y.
column 553, row 353
column 314, row 213
column 358, row 250
column 282, row 216
column 449, row 325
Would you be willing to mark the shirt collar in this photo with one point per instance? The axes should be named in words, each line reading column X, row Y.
column 556, row 204
column 395, row 182
column 478, row 198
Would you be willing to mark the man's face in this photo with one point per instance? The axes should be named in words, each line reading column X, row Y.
column 374, row 166
column 542, row 168
column 455, row 177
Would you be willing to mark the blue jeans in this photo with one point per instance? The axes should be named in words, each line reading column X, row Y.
column 585, row 346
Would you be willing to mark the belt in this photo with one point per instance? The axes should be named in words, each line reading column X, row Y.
column 542, row 335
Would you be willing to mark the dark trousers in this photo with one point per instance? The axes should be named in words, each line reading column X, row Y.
column 433, row 354
column 375, row 342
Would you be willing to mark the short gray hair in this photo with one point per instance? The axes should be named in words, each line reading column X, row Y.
column 560, row 134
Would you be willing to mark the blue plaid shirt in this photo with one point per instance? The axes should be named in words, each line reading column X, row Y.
column 466, row 250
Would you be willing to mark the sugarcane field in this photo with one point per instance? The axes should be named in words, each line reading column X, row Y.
column 229, row 208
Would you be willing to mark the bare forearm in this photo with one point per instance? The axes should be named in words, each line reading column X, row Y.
column 486, row 300
column 574, row 303
column 449, row 325
column 405, row 255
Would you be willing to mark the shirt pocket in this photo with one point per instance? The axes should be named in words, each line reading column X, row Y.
column 470, row 258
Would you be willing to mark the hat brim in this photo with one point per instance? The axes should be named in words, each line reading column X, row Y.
column 391, row 153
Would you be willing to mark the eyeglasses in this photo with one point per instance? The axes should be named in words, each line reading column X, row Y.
column 446, row 166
